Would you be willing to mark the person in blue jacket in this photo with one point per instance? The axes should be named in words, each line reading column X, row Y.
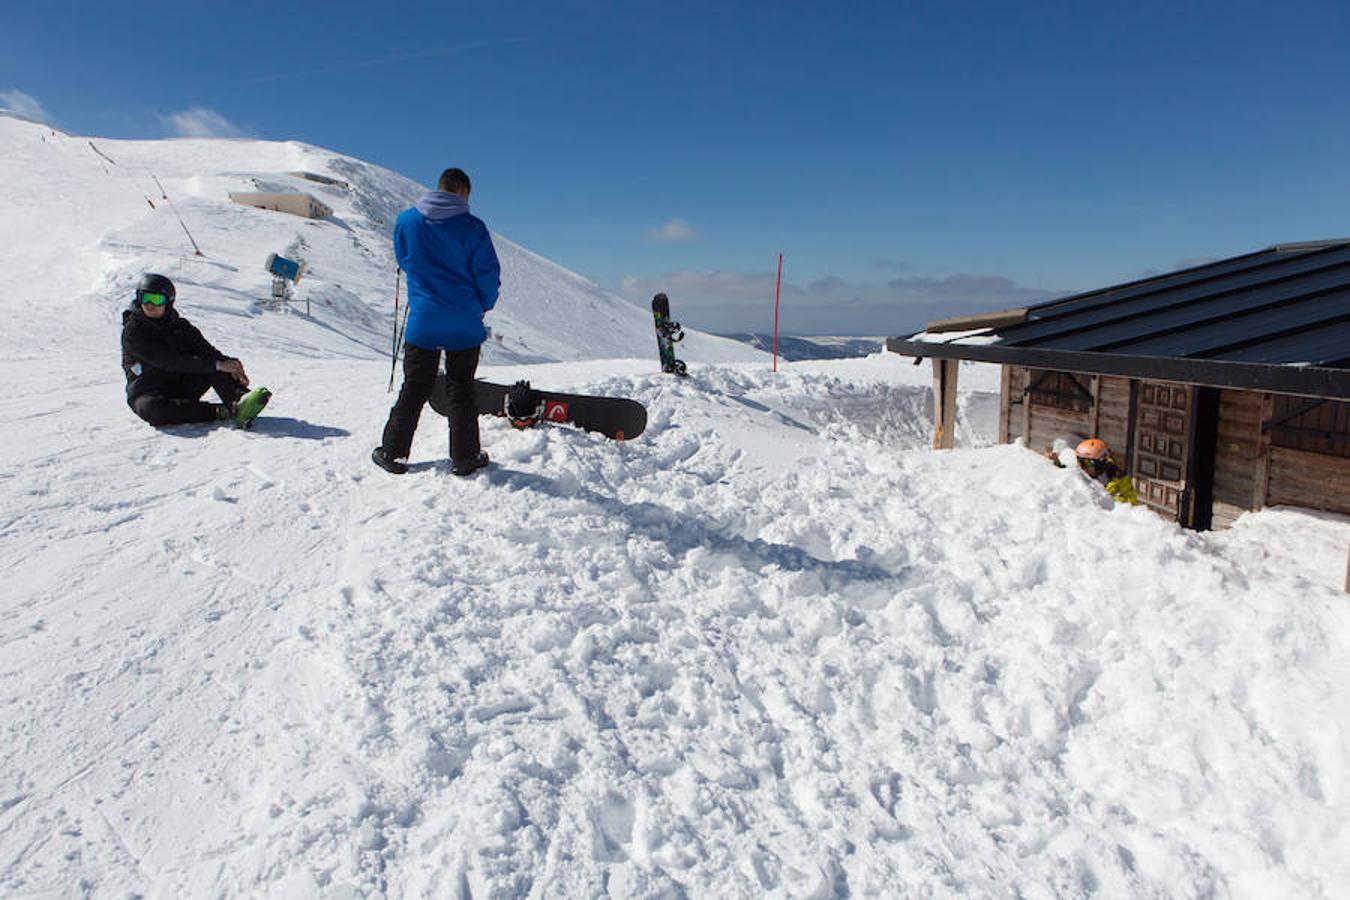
column 453, row 280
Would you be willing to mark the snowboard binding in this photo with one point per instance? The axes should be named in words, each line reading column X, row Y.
column 523, row 405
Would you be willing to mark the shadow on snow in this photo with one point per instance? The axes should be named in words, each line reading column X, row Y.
column 683, row 532
column 269, row 426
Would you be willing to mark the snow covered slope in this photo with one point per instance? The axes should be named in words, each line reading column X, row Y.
column 82, row 219
column 775, row 647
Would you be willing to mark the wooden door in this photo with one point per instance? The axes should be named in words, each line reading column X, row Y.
column 1162, row 433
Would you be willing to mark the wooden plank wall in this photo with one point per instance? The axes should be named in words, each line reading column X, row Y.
column 1016, row 402
column 1004, row 393
column 1048, row 424
column 1239, row 473
column 1109, row 420
column 1113, row 415
column 1311, row 480
column 1314, row 429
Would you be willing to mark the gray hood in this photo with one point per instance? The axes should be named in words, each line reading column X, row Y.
column 439, row 205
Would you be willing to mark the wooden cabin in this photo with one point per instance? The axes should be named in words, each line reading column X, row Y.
column 1221, row 388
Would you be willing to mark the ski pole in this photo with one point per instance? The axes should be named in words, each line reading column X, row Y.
column 393, row 351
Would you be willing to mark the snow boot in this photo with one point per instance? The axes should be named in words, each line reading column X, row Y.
column 469, row 466
column 390, row 465
column 247, row 407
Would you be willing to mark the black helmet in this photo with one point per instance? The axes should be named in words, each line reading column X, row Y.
column 155, row 284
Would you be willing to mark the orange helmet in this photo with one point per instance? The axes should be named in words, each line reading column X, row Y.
column 1093, row 448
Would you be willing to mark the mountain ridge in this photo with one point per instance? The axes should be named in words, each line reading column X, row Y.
column 89, row 215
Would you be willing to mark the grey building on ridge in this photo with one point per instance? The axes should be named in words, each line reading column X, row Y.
column 296, row 204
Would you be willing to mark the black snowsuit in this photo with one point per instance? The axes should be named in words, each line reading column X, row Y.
column 169, row 365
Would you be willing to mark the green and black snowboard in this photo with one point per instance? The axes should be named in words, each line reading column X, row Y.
column 615, row 417
column 667, row 333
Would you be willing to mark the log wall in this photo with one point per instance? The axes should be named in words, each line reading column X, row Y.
column 1040, row 425
column 1113, row 415
column 1016, row 403
column 1239, row 470
column 1311, row 480
column 1045, row 423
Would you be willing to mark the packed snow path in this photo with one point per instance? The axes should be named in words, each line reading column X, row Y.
column 773, row 647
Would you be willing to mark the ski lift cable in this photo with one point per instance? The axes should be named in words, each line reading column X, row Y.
column 125, row 172
column 173, row 207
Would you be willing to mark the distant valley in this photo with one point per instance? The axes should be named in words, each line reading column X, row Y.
column 814, row 347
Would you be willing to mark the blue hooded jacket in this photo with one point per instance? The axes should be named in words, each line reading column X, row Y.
column 453, row 273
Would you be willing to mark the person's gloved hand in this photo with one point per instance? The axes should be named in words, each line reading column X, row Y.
column 234, row 368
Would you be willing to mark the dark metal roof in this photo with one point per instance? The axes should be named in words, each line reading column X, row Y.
column 1285, row 306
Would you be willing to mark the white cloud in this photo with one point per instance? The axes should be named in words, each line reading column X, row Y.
column 199, row 121
column 26, row 105
column 728, row 301
column 674, row 230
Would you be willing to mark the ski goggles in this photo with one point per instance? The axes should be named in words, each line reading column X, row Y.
column 149, row 298
column 1092, row 466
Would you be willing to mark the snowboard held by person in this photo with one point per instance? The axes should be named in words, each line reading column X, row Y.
column 453, row 280
column 169, row 365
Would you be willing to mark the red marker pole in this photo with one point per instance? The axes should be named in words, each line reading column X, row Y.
column 778, row 283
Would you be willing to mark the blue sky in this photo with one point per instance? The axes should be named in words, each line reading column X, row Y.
column 909, row 160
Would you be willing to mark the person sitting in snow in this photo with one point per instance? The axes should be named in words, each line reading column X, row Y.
column 453, row 280
column 169, row 365
column 1094, row 458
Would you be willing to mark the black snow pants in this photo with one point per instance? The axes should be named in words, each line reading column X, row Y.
column 180, row 402
column 419, row 378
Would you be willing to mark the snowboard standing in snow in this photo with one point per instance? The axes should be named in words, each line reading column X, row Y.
column 615, row 417
column 667, row 333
